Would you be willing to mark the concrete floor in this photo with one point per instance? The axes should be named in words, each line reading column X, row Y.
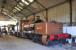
column 13, row 43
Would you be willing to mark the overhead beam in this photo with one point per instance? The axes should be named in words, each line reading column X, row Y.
column 40, row 4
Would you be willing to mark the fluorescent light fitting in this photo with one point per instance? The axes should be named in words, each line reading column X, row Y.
column 21, row 4
column 4, row 13
column 17, row 8
column 31, row 0
column 25, row 2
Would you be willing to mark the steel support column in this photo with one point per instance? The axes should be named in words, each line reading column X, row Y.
column 34, row 20
column 46, row 15
column 70, row 6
